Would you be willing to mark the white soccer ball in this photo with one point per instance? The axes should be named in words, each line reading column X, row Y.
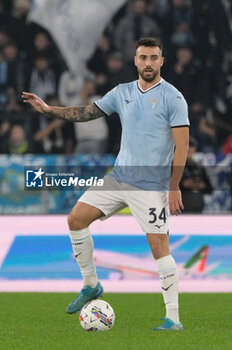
column 97, row 315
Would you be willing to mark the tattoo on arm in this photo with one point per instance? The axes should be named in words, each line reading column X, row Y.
column 76, row 114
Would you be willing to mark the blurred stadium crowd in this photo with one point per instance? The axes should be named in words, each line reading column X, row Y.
column 197, row 38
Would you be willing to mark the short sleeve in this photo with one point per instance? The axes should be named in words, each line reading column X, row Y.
column 178, row 111
column 107, row 103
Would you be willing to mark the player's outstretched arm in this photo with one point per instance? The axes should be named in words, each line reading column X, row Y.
column 75, row 114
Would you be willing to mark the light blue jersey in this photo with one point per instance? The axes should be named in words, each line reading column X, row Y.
column 147, row 118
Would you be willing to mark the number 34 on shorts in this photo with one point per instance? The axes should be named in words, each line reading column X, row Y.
column 159, row 219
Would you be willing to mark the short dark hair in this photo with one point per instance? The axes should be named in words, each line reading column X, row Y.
column 150, row 42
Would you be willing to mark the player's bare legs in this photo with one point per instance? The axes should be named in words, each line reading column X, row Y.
column 81, row 216
column 159, row 244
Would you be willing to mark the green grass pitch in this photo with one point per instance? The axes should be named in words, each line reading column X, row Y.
column 37, row 321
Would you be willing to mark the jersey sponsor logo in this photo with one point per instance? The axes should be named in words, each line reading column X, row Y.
column 154, row 103
column 128, row 101
column 34, row 178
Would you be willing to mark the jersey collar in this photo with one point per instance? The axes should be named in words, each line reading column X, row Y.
column 152, row 87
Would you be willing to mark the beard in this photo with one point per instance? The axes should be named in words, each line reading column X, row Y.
column 149, row 78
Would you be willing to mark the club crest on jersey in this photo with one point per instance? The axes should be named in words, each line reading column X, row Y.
column 154, row 103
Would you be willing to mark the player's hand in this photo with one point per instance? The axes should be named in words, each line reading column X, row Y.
column 36, row 102
column 175, row 202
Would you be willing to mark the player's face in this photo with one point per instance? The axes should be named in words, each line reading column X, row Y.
column 148, row 61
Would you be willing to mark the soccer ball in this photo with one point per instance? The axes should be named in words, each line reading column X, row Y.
column 97, row 315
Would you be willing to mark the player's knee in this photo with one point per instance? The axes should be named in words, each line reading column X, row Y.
column 75, row 222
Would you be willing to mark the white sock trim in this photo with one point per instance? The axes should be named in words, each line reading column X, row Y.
column 172, row 307
column 166, row 263
column 82, row 244
column 80, row 235
column 169, row 285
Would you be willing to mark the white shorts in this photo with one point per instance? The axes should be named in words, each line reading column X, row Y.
column 150, row 208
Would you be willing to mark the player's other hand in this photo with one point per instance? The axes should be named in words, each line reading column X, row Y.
column 175, row 202
column 36, row 102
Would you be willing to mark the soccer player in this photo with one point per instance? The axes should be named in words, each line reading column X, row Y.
column 155, row 129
